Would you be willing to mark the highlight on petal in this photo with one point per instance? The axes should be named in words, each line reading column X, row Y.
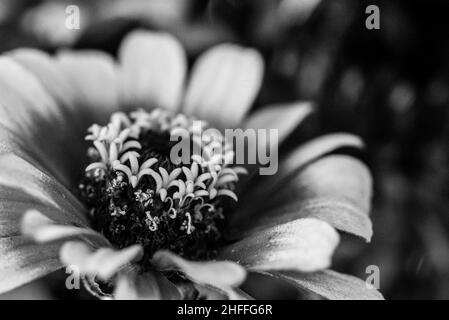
column 147, row 286
column 304, row 245
column 12, row 143
column 55, row 80
column 29, row 112
column 45, row 68
column 220, row 274
column 24, row 187
column 93, row 75
column 21, row 175
column 20, row 104
column 315, row 149
column 336, row 189
column 297, row 160
column 224, row 83
column 102, row 263
column 21, row 260
column 283, row 117
column 330, row 285
column 162, row 14
column 153, row 69
column 42, row 229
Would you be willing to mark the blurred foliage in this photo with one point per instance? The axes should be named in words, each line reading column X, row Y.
column 391, row 86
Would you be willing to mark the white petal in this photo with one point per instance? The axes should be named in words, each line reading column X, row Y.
column 221, row 274
column 336, row 189
column 94, row 77
column 153, row 68
column 57, row 80
column 331, row 285
column 30, row 113
column 224, row 83
column 21, row 175
column 304, row 245
column 46, row 69
column 282, row 117
column 42, row 229
column 314, row 149
column 103, row 262
column 22, row 262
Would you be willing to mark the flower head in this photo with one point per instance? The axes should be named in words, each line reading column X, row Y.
column 137, row 192
column 137, row 222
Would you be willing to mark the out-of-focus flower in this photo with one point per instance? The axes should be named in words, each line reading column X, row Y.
column 262, row 22
column 161, row 13
column 283, row 227
column 7, row 9
column 47, row 22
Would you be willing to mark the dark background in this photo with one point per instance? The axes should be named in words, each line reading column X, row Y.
column 390, row 86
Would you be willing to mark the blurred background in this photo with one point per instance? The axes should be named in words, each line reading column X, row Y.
column 390, row 86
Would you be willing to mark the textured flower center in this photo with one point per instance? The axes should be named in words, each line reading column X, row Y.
column 139, row 192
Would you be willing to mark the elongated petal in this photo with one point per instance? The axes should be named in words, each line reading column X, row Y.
column 224, row 83
column 75, row 115
column 300, row 157
column 146, row 286
column 21, row 175
column 313, row 150
column 24, row 187
column 282, row 117
column 303, row 245
column 93, row 75
column 29, row 112
column 57, row 78
column 46, row 69
column 20, row 103
column 215, row 273
column 336, row 189
column 11, row 143
column 331, row 285
column 42, row 229
column 153, row 70
column 103, row 262
column 22, row 261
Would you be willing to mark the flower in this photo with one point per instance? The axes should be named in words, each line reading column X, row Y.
column 284, row 225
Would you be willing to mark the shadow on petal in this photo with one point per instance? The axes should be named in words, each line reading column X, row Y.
column 282, row 117
column 336, row 189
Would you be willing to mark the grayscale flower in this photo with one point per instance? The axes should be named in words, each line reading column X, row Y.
column 138, row 225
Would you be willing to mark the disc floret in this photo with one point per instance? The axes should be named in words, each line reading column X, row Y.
column 138, row 194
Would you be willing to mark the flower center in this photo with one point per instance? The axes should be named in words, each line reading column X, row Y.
column 140, row 192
